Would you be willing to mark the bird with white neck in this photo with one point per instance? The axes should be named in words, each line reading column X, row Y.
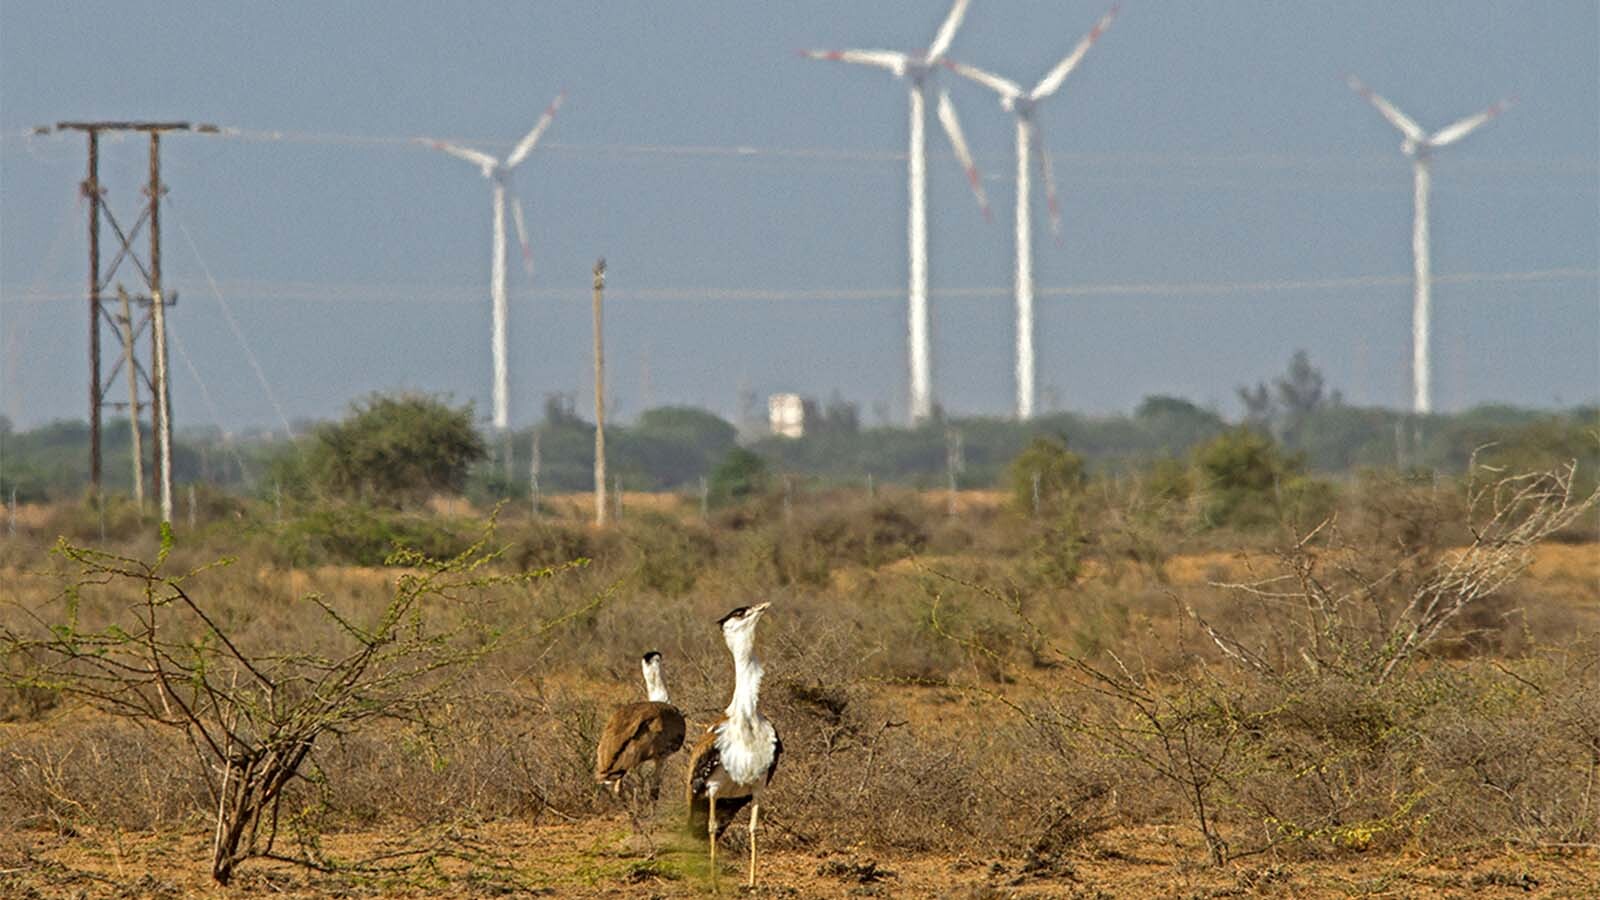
column 734, row 760
column 647, row 731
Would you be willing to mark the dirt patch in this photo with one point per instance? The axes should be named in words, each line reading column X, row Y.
column 603, row 857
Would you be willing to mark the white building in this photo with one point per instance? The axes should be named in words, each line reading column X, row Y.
column 786, row 413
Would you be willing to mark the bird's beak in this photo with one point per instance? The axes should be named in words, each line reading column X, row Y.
column 760, row 607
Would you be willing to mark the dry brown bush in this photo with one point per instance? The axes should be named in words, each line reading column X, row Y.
column 991, row 711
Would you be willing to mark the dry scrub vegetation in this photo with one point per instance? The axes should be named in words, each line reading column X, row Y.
column 1000, row 686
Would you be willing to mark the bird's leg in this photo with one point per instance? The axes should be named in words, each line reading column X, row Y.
column 711, row 831
column 755, row 813
column 655, row 782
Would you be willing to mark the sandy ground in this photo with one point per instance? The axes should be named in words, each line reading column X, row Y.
column 605, row 858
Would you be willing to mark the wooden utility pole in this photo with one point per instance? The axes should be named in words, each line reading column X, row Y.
column 92, row 193
column 599, row 398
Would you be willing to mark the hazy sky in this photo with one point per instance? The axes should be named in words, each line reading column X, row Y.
column 1211, row 159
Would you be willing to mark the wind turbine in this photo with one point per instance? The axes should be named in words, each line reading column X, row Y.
column 499, row 174
column 916, row 69
column 1419, row 145
column 1023, row 104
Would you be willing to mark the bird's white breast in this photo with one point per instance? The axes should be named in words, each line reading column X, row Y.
column 746, row 749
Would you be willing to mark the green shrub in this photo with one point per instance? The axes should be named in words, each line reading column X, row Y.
column 395, row 448
column 359, row 535
column 668, row 556
column 1241, row 473
column 1046, row 461
column 741, row 475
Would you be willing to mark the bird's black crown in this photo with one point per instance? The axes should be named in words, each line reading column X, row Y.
column 653, row 654
column 733, row 614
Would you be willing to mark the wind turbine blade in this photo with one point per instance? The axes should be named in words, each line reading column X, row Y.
column 522, row 234
column 1458, row 130
column 527, row 144
column 1396, row 118
column 1052, row 82
column 947, row 31
column 891, row 60
column 1006, row 88
column 1048, row 170
column 952, row 128
column 476, row 157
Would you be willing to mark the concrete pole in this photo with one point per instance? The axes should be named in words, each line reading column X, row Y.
column 599, row 398
column 917, row 235
column 1024, row 273
column 136, row 438
column 1421, row 373
column 163, row 393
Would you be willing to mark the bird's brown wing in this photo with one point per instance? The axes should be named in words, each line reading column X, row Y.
column 704, row 761
column 637, row 732
column 673, row 729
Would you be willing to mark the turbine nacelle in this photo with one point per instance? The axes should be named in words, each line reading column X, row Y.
column 1418, row 143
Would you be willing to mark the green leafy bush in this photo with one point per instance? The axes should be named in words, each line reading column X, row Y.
column 394, row 448
column 1046, row 461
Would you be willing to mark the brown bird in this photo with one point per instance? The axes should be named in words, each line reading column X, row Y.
column 735, row 760
column 650, row 731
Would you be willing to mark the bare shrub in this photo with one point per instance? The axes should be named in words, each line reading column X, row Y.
column 254, row 717
column 1368, row 622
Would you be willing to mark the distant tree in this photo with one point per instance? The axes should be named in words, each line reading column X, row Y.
column 1299, row 390
column 1175, row 424
column 559, row 410
column 394, row 448
column 1257, row 402
column 1059, row 473
column 741, row 474
column 672, row 446
column 841, row 416
column 688, row 425
column 1159, row 405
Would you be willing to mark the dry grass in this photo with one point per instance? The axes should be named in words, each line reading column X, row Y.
column 956, row 753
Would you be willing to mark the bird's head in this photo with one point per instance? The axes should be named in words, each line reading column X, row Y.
column 739, row 626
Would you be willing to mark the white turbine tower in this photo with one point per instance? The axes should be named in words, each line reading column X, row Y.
column 1419, row 145
column 499, row 174
column 916, row 69
column 1023, row 104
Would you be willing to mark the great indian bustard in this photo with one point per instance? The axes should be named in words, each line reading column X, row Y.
column 649, row 731
column 734, row 760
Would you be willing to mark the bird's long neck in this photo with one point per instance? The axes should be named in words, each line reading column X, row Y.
column 655, row 685
column 746, row 684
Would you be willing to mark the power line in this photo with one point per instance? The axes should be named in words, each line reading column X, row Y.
column 233, row 325
column 411, row 293
column 1570, row 166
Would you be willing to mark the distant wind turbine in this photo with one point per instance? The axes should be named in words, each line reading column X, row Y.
column 916, row 68
column 1023, row 104
column 499, row 174
column 1419, row 145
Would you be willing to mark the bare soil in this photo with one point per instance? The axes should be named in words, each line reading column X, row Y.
column 604, row 857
